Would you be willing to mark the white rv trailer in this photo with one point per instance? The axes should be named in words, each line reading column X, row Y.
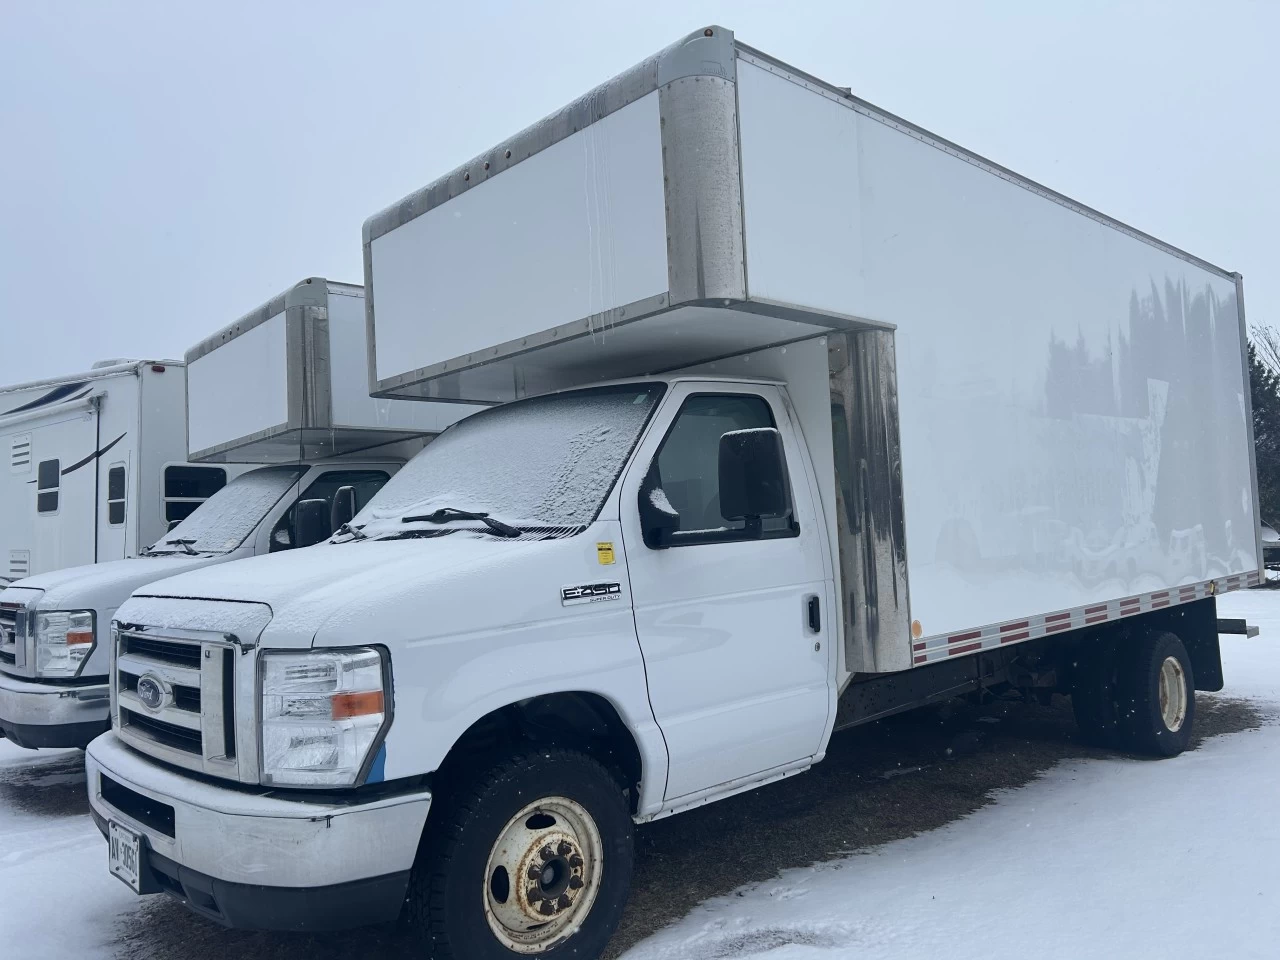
column 815, row 417
column 283, row 385
column 93, row 466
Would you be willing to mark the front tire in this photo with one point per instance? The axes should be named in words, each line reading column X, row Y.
column 532, row 856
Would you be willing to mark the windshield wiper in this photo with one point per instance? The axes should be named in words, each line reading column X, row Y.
column 445, row 514
column 347, row 529
column 185, row 543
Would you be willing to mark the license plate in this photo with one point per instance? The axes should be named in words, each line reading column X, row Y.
column 125, row 855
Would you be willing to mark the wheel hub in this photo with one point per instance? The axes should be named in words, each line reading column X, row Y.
column 543, row 874
column 554, row 877
column 1173, row 694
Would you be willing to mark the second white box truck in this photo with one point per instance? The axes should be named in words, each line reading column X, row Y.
column 283, row 385
column 814, row 417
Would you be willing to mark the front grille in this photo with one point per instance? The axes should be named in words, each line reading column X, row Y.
column 169, row 651
column 189, row 714
column 11, row 614
column 170, row 734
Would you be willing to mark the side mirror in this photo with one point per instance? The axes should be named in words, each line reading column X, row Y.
column 753, row 476
column 344, row 507
column 658, row 518
column 172, row 524
column 310, row 522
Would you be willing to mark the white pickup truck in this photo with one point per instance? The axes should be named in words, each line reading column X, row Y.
column 56, row 627
column 285, row 385
column 811, row 417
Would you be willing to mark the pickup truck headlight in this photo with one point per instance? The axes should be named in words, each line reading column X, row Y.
column 322, row 712
column 64, row 640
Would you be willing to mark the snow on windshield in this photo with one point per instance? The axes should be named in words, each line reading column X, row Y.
column 546, row 461
column 222, row 522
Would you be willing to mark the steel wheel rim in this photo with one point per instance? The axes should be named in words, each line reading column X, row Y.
column 543, row 875
column 1173, row 694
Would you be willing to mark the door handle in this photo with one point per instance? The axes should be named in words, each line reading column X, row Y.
column 815, row 615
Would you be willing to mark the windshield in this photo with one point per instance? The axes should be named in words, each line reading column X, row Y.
column 548, row 462
column 222, row 522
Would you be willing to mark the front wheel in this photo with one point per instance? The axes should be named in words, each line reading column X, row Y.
column 532, row 856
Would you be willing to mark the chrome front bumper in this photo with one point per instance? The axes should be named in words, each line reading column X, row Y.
column 52, row 715
column 236, row 837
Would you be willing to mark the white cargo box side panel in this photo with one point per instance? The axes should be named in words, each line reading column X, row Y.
column 1071, row 397
column 239, row 389
column 349, row 369
column 603, row 183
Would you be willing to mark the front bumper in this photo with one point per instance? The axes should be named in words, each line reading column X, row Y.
column 259, row 861
column 52, row 715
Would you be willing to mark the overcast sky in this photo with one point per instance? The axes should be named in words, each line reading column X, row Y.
column 166, row 167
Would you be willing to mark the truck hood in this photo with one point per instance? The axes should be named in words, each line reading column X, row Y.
column 339, row 593
column 310, row 574
column 104, row 586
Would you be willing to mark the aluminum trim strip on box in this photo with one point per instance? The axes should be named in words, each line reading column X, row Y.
column 990, row 636
column 1248, row 421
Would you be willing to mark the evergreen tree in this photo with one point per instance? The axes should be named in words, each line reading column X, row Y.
column 1264, row 391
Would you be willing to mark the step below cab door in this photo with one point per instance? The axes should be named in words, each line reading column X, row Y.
column 732, row 616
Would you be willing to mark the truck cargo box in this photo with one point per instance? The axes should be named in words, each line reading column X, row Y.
column 287, row 383
column 1033, row 413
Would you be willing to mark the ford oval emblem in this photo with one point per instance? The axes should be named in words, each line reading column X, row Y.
column 151, row 692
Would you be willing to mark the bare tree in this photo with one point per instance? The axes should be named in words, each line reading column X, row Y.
column 1266, row 343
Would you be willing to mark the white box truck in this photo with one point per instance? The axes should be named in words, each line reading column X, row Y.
column 815, row 417
column 283, row 386
column 94, row 465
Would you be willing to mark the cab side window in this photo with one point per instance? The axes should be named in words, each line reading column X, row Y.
column 687, row 465
column 365, row 482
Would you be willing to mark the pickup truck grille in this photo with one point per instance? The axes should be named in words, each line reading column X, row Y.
column 12, row 622
column 175, row 699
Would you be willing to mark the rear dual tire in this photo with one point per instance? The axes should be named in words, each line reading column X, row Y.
column 1138, row 695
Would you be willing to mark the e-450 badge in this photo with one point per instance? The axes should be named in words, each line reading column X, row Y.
column 590, row 593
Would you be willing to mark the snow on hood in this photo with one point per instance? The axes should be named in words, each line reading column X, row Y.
column 341, row 587
column 101, row 586
column 278, row 579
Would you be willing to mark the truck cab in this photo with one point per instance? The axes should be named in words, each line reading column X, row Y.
column 55, row 627
column 538, row 593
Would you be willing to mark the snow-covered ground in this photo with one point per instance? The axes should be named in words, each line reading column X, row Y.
column 1100, row 858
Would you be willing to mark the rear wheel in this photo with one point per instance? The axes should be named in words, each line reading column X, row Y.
column 531, row 857
column 1157, row 696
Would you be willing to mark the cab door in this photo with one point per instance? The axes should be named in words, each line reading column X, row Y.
column 732, row 623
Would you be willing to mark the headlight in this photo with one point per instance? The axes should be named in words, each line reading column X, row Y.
column 64, row 640
column 322, row 712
